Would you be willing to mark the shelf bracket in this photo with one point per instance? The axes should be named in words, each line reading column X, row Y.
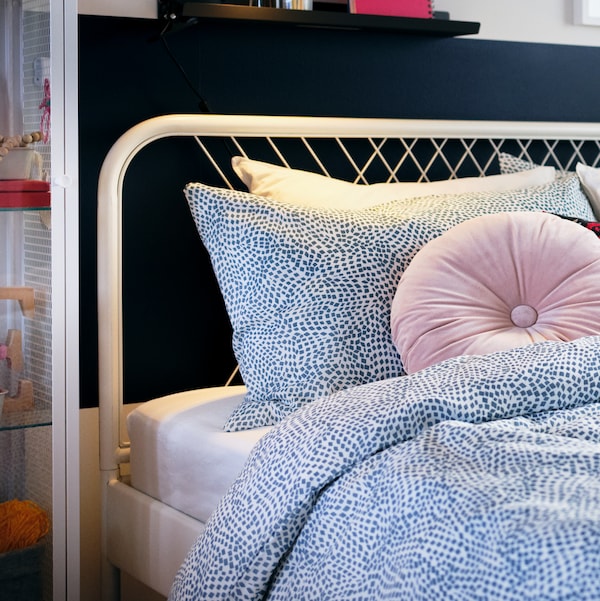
column 170, row 10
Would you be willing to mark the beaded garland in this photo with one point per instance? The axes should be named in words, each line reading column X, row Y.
column 7, row 143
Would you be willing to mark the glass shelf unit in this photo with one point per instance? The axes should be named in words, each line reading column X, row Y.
column 39, row 437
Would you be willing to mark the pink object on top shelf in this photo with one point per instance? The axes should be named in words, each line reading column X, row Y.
column 420, row 9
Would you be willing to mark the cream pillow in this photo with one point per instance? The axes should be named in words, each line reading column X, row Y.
column 590, row 181
column 306, row 189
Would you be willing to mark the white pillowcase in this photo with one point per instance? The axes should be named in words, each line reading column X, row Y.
column 590, row 181
column 306, row 189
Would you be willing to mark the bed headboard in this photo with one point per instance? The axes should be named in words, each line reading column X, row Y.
column 359, row 150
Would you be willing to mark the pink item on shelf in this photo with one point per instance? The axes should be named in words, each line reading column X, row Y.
column 420, row 9
column 24, row 194
column 3, row 352
column 45, row 108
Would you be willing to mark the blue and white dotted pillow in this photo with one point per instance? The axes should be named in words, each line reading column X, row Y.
column 309, row 291
column 512, row 164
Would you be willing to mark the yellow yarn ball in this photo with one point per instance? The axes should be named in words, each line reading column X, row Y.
column 22, row 524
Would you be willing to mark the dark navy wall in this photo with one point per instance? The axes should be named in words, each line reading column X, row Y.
column 127, row 76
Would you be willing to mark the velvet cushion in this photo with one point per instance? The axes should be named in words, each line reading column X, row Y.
column 496, row 282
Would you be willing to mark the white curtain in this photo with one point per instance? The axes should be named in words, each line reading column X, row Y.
column 11, row 123
column 11, row 85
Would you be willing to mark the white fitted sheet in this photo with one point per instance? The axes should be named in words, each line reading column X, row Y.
column 180, row 454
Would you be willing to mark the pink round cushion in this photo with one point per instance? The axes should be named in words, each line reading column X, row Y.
column 497, row 282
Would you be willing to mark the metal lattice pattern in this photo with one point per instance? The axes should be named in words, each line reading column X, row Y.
column 372, row 160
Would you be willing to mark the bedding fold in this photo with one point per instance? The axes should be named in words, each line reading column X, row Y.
column 475, row 478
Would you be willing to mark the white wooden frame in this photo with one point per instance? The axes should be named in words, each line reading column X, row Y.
column 140, row 535
column 65, row 302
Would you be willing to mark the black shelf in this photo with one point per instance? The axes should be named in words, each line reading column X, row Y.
column 330, row 19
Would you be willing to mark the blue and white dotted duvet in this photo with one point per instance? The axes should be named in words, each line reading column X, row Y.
column 475, row 479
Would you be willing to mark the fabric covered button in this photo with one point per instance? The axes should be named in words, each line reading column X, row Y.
column 523, row 316
column 497, row 282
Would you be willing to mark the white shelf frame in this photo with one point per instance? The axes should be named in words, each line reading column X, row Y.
column 65, row 301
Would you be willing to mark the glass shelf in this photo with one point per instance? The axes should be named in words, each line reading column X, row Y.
column 21, row 209
column 19, row 420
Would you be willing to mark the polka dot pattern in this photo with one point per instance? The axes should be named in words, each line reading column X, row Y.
column 309, row 291
column 477, row 478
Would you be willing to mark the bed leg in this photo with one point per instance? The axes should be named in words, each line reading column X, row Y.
column 111, row 582
column 110, row 576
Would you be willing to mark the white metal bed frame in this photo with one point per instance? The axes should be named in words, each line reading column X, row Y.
column 141, row 535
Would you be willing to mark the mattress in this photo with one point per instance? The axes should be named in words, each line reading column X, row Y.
column 180, row 454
